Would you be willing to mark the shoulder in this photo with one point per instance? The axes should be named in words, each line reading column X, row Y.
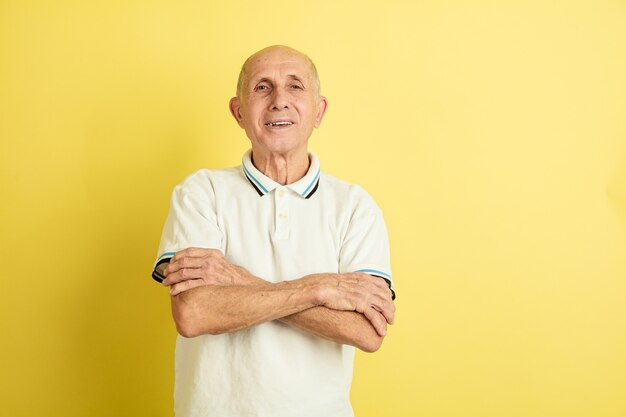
column 204, row 181
column 348, row 194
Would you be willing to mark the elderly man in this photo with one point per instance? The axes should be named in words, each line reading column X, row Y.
column 276, row 270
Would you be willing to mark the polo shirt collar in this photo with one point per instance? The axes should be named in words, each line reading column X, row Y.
column 305, row 186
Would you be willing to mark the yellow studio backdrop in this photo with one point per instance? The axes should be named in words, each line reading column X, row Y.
column 491, row 133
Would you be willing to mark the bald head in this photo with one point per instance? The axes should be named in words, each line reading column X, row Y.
column 275, row 49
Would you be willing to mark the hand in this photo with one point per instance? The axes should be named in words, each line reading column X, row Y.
column 194, row 267
column 359, row 292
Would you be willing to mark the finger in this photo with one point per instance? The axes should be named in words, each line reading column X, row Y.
column 380, row 282
column 370, row 281
column 184, row 274
column 185, row 262
column 179, row 255
column 191, row 252
column 185, row 286
column 377, row 321
column 386, row 308
column 389, row 293
column 385, row 293
column 379, row 299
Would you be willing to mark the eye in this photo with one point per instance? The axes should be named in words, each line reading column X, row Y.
column 262, row 87
column 296, row 87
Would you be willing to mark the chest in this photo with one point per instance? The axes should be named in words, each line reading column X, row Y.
column 281, row 235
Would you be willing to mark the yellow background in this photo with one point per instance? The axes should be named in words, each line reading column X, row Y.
column 491, row 133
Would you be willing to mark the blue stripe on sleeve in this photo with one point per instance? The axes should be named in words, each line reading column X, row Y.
column 375, row 272
column 166, row 255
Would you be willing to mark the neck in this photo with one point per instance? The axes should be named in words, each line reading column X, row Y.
column 282, row 168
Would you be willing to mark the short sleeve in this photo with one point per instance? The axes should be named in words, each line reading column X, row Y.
column 191, row 222
column 365, row 247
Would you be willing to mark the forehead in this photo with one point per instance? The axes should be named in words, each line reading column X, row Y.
column 278, row 64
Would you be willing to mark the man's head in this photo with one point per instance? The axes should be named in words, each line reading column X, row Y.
column 242, row 73
column 278, row 100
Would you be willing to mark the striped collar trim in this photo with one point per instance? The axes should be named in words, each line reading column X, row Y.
column 305, row 186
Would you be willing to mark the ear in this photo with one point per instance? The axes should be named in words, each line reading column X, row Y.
column 235, row 109
column 322, row 105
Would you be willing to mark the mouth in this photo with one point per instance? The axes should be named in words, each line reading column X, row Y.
column 279, row 124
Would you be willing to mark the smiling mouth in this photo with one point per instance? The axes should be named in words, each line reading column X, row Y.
column 278, row 124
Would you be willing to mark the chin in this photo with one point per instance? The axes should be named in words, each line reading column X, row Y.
column 282, row 146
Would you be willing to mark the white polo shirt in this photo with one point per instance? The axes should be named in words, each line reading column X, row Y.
column 318, row 224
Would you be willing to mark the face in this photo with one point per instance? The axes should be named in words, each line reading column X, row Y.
column 279, row 104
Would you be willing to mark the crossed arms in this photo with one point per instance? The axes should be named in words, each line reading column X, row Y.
column 210, row 295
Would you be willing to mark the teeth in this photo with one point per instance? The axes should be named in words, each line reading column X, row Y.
column 279, row 123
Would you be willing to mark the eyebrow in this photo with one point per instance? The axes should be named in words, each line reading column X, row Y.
column 263, row 80
column 295, row 77
column 292, row 76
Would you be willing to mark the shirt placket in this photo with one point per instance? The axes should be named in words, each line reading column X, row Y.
column 282, row 219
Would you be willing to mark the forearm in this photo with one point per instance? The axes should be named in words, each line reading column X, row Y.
column 344, row 327
column 215, row 309
column 211, row 295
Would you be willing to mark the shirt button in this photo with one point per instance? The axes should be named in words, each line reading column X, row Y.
column 281, row 193
column 282, row 216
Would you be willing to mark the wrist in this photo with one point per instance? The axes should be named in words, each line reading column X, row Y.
column 246, row 278
column 318, row 286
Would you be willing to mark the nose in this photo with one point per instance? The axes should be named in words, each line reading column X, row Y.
column 279, row 100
